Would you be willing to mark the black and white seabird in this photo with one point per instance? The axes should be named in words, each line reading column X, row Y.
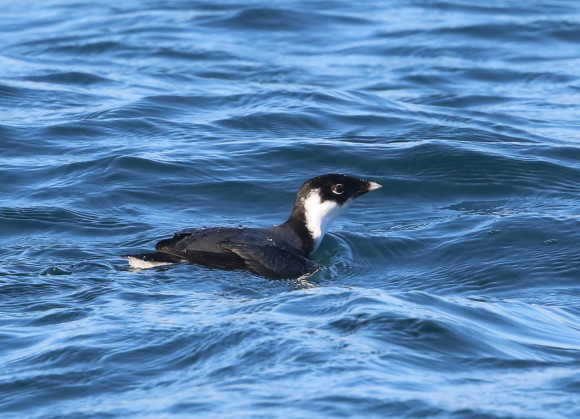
column 280, row 251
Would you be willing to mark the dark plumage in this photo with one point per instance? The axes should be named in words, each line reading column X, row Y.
column 281, row 251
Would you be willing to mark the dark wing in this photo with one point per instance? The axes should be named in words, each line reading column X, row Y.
column 197, row 240
column 200, row 246
column 163, row 245
column 269, row 260
column 233, row 248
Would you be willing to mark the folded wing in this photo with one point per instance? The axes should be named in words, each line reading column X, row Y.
column 270, row 261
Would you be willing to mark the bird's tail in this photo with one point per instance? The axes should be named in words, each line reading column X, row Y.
column 150, row 260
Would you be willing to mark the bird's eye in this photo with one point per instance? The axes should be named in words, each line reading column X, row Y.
column 338, row 189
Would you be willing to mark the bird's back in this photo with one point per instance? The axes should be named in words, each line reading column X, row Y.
column 265, row 251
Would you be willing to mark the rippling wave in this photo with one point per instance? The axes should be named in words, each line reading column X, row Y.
column 451, row 292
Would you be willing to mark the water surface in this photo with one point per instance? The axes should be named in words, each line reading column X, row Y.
column 451, row 292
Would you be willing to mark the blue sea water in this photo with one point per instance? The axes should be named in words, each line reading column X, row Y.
column 453, row 292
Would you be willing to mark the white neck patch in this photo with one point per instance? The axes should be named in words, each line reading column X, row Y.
column 319, row 215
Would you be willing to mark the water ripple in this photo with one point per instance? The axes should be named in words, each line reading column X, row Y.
column 451, row 292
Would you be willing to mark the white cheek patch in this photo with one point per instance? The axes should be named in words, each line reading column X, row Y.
column 144, row 264
column 319, row 215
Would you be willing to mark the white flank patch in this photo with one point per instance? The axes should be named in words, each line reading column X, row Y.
column 319, row 215
column 144, row 264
